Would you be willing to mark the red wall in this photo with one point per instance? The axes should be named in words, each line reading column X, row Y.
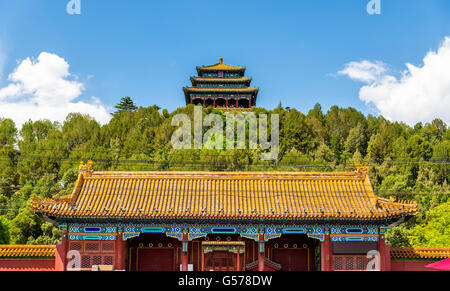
column 27, row 265
column 403, row 265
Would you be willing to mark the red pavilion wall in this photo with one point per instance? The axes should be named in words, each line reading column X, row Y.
column 27, row 265
column 406, row 265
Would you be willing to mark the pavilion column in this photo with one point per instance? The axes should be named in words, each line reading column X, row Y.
column 325, row 252
column 120, row 253
column 191, row 100
column 385, row 254
column 204, row 102
column 249, row 103
column 261, row 253
column 238, row 261
column 227, row 102
column 61, row 254
column 214, row 102
column 185, row 253
column 237, row 105
column 203, row 260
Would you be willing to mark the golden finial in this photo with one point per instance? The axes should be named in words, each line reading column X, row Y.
column 221, row 60
column 86, row 170
column 364, row 169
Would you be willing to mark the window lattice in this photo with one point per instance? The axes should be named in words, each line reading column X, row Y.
column 338, row 263
column 360, row 263
column 108, row 260
column 76, row 246
column 108, row 247
column 96, row 260
column 349, row 263
column 85, row 262
column 92, row 246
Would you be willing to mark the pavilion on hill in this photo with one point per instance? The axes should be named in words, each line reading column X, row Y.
column 221, row 86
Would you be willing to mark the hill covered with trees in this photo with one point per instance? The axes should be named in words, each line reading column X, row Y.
column 41, row 159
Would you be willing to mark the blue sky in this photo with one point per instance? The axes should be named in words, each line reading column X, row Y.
column 293, row 49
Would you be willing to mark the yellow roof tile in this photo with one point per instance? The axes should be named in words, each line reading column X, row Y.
column 220, row 66
column 420, row 253
column 213, row 195
column 12, row 251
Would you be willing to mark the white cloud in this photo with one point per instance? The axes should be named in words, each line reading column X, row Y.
column 364, row 71
column 420, row 94
column 42, row 89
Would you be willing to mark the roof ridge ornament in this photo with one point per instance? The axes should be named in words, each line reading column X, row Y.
column 362, row 169
column 220, row 60
column 86, row 170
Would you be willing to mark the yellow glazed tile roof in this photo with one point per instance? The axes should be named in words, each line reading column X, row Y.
column 219, row 89
column 221, row 80
column 216, row 195
column 20, row 251
column 220, row 66
column 420, row 253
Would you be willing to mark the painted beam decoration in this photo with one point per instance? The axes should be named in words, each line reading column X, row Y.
column 317, row 231
column 352, row 233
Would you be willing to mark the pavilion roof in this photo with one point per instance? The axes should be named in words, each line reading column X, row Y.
column 220, row 66
column 220, row 90
column 223, row 195
column 23, row 251
column 420, row 253
column 196, row 80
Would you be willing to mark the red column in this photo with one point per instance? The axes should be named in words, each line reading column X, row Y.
column 261, row 253
column 238, row 261
column 385, row 254
column 185, row 253
column 237, row 105
column 120, row 253
column 249, row 103
column 214, row 103
column 61, row 254
column 388, row 264
column 191, row 100
column 227, row 102
column 204, row 102
column 325, row 252
column 203, row 260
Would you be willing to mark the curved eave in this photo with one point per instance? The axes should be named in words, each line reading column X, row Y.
column 214, row 217
column 199, row 80
column 220, row 68
column 189, row 90
column 220, row 90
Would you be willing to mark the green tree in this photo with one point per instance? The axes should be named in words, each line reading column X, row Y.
column 126, row 104
column 24, row 227
column 8, row 132
column 4, row 230
column 398, row 237
column 436, row 230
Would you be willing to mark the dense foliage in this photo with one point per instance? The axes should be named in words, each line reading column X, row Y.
column 41, row 160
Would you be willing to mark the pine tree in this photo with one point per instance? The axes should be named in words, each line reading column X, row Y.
column 126, row 104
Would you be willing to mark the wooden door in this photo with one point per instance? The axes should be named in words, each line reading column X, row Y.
column 220, row 261
column 292, row 259
column 155, row 259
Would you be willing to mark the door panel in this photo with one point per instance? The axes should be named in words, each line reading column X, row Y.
column 291, row 259
column 155, row 259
